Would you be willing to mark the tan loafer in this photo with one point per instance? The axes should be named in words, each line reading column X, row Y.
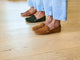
column 38, row 26
column 27, row 14
column 46, row 30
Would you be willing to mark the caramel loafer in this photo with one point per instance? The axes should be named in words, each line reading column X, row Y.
column 46, row 30
column 38, row 26
column 27, row 14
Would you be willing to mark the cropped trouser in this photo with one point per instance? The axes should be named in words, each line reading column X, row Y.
column 37, row 4
column 56, row 8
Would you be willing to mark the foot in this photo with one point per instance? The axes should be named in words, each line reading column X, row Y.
column 54, row 24
column 48, row 21
column 39, row 14
column 30, row 12
column 53, row 27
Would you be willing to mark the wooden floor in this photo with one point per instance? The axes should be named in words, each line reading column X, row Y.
column 18, row 41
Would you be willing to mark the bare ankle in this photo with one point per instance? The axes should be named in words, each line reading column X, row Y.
column 39, row 14
column 57, row 23
column 32, row 8
column 49, row 20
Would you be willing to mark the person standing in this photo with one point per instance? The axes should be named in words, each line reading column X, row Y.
column 56, row 11
column 36, row 12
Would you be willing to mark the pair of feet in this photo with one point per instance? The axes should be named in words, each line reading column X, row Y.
column 32, row 11
column 52, row 23
column 49, row 26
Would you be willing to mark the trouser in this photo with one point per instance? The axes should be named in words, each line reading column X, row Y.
column 56, row 8
column 37, row 4
column 30, row 3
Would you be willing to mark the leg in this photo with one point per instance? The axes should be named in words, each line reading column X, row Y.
column 31, row 11
column 48, row 11
column 58, row 9
column 40, row 9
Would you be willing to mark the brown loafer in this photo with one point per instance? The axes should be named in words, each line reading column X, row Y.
column 38, row 26
column 27, row 14
column 46, row 30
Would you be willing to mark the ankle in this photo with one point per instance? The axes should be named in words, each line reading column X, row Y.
column 39, row 14
column 57, row 23
column 49, row 20
column 32, row 8
column 54, row 24
column 36, row 10
column 42, row 12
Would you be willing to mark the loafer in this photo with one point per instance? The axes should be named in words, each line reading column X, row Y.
column 38, row 26
column 46, row 30
column 27, row 14
column 33, row 19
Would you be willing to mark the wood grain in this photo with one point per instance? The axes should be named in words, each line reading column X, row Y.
column 19, row 42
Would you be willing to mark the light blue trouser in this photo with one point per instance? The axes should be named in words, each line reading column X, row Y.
column 56, row 8
column 37, row 4
column 30, row 3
